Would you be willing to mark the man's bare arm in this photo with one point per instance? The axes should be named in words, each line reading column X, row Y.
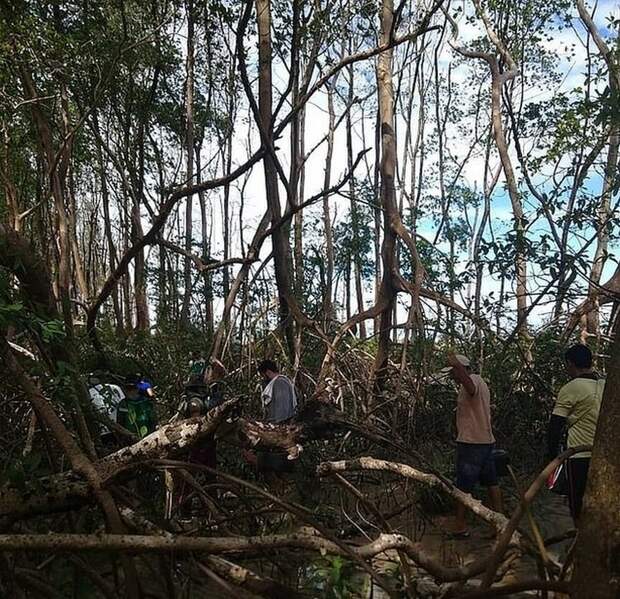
column 461, row 375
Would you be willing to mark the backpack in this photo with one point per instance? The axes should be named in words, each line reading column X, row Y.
column 196, row 371
column 210, row 396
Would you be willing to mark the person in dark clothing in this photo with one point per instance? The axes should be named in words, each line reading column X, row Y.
column 200, row 399
column 576, row 410
column 197, row 369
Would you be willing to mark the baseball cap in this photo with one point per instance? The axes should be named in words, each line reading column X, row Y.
column 464, row 360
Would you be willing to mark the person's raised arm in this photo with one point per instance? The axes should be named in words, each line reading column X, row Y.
column 461, row 375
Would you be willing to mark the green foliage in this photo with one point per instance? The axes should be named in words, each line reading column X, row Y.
column 14, row 313
column 335, row 578
column 355, row 233
column 22, row 471
column 9, row 312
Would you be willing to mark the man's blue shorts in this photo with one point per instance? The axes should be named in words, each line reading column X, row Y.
column 475, row 464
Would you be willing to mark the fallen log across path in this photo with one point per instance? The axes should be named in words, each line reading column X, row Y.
column 68, row 490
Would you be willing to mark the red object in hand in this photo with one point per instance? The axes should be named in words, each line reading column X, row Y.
column 556, row 481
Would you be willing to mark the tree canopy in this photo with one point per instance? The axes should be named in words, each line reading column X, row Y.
column 353, row 189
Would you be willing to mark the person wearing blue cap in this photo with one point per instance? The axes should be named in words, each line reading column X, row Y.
column 137, row 412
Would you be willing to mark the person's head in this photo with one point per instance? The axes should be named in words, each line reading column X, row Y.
column 130, row 386
column 464, row 360
column 136, row 386
column 578, row 359
column 268, row 369
column 216, row 371
column 194, row 407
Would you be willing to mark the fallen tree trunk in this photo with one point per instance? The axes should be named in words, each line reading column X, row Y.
column 497, row 520
column 506, row 529
column 240, row 576
column 316, row 420
column 169, row 440
column 246, row 546
column 68, row 490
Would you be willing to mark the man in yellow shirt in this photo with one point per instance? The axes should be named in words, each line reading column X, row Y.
column 577, row 407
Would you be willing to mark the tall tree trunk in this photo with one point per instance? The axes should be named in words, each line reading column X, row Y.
column 378, row 218
column 142, row 306
column 328, row 292
column 597, row 560
column 603, row 228
column 279, row 237
column 10, row 191
column 78, row 264
column 228, row 146
column 138, row 196
column 296, row 185
column 295, row 194
column 300, row 284
column 226, row 216
column 517, row 211
column 359, row 293
column 387, row 291
column 189, row 150
column 206, row 249
column 498, row 78
column 610, row 56
column 347, row 291
column 489, row 183
column 126, row 283
column 163, row 309
column 56, row 173
column 297, row 123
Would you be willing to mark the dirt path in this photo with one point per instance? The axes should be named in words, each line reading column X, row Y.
column 550, row 513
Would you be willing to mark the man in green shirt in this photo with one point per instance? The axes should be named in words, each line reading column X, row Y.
column 577, row 407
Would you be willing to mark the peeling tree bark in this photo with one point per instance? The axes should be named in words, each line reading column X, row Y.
column 610, row 174
column 387, row 291
column 328, row 306
column 498, row 78
column 597, row 561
